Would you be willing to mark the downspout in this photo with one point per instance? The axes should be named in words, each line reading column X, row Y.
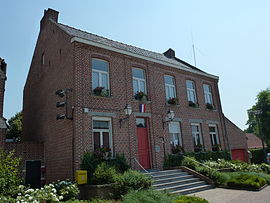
column 73, row 123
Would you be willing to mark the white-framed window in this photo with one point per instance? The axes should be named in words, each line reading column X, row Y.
column 175, row 134
column 213, row 134
column 191, row 91
column 207, row 94
column 100, row 74
column 169, row 87
column 196, row 134
column 102, row 132
column 139, row 80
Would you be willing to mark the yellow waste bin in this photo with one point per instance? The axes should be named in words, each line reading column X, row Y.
column 81, row 177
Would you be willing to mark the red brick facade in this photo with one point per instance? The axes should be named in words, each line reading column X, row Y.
column 67, row 64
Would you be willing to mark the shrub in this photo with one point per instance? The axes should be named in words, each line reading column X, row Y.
column 190, row 162
column 265, row 168
column 258, row 155
column 90, row 162
column 246, row 181
column 104, row 174
column 9, row 173
column 172, row 160
column 148, row 196
column 131, row 180
column 205, row 156
column 189, row 199
column 119, row 162
column 67, row 189
column 262, row 175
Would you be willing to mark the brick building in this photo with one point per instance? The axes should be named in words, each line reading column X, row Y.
column 99, row 77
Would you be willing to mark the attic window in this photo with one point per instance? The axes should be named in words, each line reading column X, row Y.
column 43, row 59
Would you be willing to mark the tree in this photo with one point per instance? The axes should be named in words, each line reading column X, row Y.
column 259, row 116
column 15, row 127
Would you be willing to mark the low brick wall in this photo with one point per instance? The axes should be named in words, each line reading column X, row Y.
column 26, row 150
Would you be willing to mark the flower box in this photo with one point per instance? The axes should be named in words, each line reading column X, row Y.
column 101, row 91
column 192, row 104
column 210, row 106
column 141, row 96
column 173, row 101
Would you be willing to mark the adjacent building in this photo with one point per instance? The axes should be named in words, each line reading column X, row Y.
column 3, row 78
column 133, row 101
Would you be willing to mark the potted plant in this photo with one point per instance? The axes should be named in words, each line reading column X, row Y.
column 173, row 101
column 216, row 148
column 177, row 149
column 101, row 91
column 210, row 106
column 198, row 148
column 103, row 152
column 140, row 96
column 192, row 104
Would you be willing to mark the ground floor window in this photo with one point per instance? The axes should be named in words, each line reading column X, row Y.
column 102, row 133
column 197, row 137
column 214, row 137
column 175, row 137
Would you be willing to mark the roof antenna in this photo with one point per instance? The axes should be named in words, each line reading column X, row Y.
column 193, row 49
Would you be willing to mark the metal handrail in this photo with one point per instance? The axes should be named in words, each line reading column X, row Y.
column 142, row 167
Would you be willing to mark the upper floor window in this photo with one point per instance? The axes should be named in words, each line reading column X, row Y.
column 207, row 94
column 169, row 87
column 214, row 137
column 139, row 82
column 100, row 77
column 197, row 137
column 43, row 58
column 191, row 91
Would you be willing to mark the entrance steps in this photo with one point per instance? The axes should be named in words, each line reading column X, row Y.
column 178, row 182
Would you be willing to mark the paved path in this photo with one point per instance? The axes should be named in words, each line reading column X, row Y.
column 220, row 195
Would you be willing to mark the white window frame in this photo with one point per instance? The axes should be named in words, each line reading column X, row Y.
column 174, row 135
column 101, row 131
column 195, row 134
column 212, row 134
column 170, row 88
column 208, row 98
column 139, row 80
column 100, row 72
column 191, row 92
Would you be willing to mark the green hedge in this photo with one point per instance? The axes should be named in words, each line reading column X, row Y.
column 204, row 156
column 172, row 160
column 258, row 155
column 246, row 181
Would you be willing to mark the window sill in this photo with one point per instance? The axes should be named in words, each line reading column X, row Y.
column 176, row 105
column 97, row 96
column 142, row 102
column 214, row 110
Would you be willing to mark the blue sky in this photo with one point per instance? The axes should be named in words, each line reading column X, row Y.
column 231, row 39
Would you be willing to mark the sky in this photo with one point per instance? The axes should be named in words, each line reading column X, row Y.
column 231, row 39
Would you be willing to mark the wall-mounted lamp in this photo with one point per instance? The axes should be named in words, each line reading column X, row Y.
column 128, row 112
column 170, row 117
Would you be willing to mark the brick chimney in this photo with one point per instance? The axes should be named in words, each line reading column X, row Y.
column 49, row 14
column 170, row 53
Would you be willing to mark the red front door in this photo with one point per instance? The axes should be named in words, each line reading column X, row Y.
column 143, row 145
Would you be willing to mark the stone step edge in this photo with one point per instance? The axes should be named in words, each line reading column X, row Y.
column 193, row 189
column 183, row 185
column 170, row 174
column 178, row 181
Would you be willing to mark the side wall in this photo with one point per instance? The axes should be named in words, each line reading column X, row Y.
column 39, row 106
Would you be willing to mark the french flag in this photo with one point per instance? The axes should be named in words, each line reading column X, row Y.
column 142, row 108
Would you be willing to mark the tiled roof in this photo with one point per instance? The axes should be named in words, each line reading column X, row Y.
column 128, row 48
column 253, row 141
